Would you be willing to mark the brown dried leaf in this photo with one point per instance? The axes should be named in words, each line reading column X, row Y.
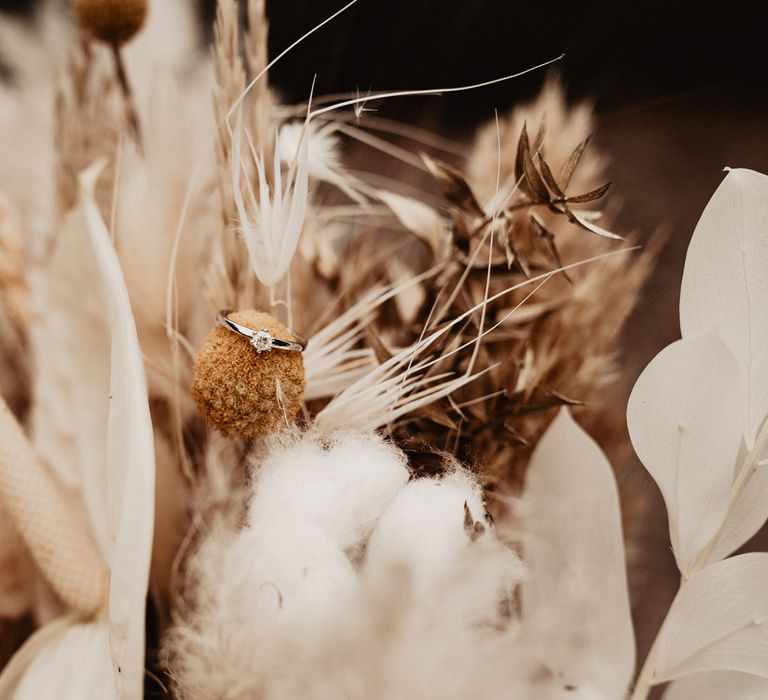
column 460, row 233
column 512, row 255
column 547, row 238
column 531, row 182
column 590, row 196
column 379, row 347
column 515, row 435
column 573, row 161
column 453, row 186
column 550, row 179
column 541, row 400
column 522, row 145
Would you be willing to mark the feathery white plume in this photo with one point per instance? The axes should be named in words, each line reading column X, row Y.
column 271, row 222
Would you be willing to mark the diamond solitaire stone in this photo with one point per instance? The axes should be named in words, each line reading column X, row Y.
column 262, row 341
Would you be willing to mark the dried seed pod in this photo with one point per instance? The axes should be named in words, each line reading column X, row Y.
column 112, row 21
column 245, row 393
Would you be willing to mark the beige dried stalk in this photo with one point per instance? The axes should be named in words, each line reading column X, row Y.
column 89, row 119
column 230, row 280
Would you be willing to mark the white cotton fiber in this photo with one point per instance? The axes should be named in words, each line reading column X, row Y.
column 280, row 611
column 287, row 576
column 341, row 486
column 424, row 530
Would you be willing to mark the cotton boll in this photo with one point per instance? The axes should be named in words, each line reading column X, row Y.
column 424, row 528
column 435, row 537
column 341, row 486
column 263, row 599
column 287, row 574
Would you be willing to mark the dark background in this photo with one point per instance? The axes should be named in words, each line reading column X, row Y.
column 621, row 53
column 681, row 90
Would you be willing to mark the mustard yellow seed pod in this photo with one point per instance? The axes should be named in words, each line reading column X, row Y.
column 112, row 21
column 242, row 392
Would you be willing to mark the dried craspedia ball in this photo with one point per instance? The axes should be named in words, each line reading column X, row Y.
column 113, row 21
column 236, row 387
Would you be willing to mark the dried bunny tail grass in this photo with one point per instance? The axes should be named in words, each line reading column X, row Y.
column 55, row 535
column 14, row 309
column 17, row 594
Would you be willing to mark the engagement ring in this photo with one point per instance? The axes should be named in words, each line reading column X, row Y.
column 262, row 340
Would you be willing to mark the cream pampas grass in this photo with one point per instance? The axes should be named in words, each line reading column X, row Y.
column 420, row 510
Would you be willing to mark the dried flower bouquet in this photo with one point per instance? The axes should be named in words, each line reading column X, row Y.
column 409, row 505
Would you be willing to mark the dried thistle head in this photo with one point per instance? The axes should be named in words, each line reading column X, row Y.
column 111, row 21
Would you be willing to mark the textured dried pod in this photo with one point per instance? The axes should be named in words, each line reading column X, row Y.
column 113, row 21
column 48, row 523
column 242, row 392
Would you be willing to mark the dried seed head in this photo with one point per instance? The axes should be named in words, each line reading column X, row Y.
column 113, row 21
column 244, row 392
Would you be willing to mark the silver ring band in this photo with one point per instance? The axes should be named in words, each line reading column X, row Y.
column 262, row 340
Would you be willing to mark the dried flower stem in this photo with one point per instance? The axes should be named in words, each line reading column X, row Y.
column 125, row 85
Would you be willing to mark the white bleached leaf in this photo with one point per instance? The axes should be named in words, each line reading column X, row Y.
column 65, row 659
column 574, row 550
column 130, row 462
column 69, row 413
column 746, row 518
column 716, row 685
column 725, row 285
column 684, row 419
column 718, row 621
